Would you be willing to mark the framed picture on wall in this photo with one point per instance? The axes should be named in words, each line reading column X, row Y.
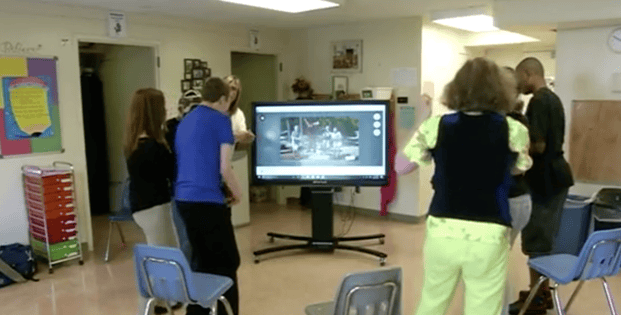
column 208, row 73
column 204, row 64
column 186, row 85
column 188, row 76
column 339, row 86
column 346, row 56
column 197, row 84
column 197, row 63
column 188, row 65
column 198, row 74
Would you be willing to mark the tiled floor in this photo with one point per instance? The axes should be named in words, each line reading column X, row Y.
column 284, row 284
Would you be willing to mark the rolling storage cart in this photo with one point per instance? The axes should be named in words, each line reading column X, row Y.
column 52, row 217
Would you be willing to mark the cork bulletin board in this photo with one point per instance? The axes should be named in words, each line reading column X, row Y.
column 595, row 142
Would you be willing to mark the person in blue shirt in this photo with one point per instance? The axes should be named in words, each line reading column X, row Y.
column 204, row 145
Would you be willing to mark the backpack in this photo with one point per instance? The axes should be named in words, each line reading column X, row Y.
column 15, row 260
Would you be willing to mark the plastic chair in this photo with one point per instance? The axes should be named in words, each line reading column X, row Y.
column 163, row 273
column 375, row 292
column 124, row 214
column 600, row 257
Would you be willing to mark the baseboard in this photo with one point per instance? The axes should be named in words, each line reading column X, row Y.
column 390, row 216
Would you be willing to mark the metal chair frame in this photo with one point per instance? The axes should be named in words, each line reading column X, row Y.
column 556, row 298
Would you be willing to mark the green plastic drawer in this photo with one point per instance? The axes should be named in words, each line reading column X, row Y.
column 57, row 251
column 64, row 249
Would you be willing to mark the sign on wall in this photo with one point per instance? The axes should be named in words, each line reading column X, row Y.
column 29, row 113
column 117, row 25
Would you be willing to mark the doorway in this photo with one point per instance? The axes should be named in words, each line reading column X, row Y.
column 110, row 73
column 258, row 74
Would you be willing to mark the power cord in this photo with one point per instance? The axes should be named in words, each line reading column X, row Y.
column 348, row 216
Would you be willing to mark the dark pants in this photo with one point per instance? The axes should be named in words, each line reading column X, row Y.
column 539, row 234
column 214, row 249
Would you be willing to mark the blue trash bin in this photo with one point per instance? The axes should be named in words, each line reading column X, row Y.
column 574, row 227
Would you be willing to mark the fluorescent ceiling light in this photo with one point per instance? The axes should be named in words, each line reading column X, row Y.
column 291, row 6
column 472, row 23
column 473, row 19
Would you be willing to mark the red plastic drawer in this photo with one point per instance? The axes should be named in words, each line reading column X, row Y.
column 46, row 190
column 60, row 196
column 49, row 180
column 54, row 236
column 66, row 222
column 63, row 204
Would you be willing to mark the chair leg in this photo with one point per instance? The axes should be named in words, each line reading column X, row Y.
column 227, row 305
column 557, row 301
column 118, row 226
column 147, row 308
column 108, row 246
column 611, row 302
column 531, row 296
column 573, row 295
column 214, row 308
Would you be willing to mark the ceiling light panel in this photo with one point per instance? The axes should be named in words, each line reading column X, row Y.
column 290, row 6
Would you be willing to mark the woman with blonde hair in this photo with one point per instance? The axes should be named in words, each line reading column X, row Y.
column 243, row 137
column 475, row 150
column 150, row 166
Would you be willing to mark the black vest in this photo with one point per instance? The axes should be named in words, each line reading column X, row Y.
column 473, row 168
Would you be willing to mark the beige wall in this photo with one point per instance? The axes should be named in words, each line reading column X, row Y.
column 386, row 44
column 174, row 38
column 585, row 66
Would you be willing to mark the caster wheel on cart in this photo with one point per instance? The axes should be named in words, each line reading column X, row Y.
column 256, row 260
column 382, row 262
column 81, row 262
column 271, row 240
column 51, row 271
column 382, row 241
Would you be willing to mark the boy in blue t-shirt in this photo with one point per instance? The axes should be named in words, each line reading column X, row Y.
column 204, row 145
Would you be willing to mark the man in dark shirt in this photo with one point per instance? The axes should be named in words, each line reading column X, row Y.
column 549, row 178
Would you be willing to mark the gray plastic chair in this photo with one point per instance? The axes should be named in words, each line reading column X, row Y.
column 376, row 292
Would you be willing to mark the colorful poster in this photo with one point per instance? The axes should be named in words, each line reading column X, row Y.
column 27, row 107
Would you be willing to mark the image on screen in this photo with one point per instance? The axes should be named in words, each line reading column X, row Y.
column 319, row 138
column 320, row 142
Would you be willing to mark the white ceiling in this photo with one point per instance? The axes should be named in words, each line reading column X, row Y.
column 217, row 11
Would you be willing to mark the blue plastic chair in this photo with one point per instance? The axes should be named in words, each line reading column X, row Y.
column 163, row 273
column 123, row 214
column 375, row 291
column 600, row 257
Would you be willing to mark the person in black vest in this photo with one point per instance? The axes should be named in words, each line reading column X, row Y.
column 475, row 151
column 549, row 178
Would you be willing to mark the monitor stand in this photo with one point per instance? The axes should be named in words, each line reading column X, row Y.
column 322, row 238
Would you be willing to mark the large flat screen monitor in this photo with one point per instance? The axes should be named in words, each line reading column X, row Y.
column 320, row 143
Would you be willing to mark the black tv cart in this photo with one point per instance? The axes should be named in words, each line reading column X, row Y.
column 322, row 238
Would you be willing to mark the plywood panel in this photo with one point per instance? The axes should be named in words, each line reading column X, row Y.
column 595, row 141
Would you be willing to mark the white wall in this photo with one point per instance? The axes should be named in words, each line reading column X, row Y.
column 511, row 55
column 386, row 45
column 585, row 66
column 443, row 54
column 175, row 38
